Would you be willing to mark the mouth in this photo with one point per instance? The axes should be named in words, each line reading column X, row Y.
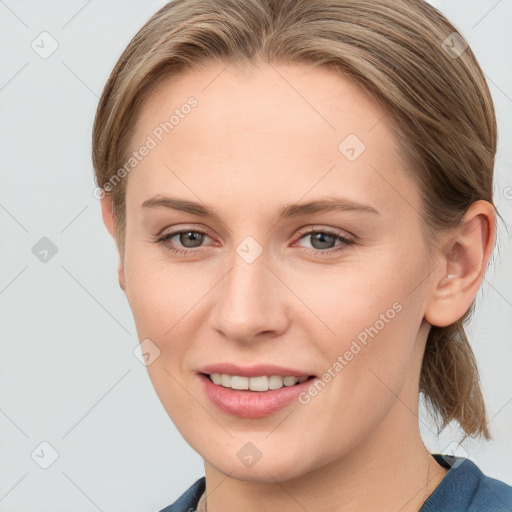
column 253, row 397
column 257, row 384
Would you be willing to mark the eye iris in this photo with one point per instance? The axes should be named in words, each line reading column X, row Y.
column 193, row 236
column 315, row 238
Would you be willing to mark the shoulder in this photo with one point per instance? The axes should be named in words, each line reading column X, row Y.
column 187, row 502
column 466, row 488
column 491, row 494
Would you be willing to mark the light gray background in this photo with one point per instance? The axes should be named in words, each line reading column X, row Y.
column 68, row 374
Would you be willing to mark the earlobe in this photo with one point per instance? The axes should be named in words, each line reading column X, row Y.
column 120, row 276
column 464, row 261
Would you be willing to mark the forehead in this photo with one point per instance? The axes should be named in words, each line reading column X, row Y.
column 269, row 132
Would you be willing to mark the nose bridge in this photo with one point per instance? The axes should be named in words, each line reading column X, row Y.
column 248, row 301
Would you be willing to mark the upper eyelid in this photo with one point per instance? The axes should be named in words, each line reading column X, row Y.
column 334, row 231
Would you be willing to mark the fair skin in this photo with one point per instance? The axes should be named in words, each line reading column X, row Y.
column 252, row 145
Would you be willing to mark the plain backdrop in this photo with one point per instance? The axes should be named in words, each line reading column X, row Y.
column 69, row 377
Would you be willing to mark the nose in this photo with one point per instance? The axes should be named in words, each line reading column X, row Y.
column 251, row 303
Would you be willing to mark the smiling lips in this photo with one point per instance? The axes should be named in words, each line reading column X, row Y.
column 252, row 392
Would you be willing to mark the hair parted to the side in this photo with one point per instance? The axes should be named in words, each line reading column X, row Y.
column 438, row 105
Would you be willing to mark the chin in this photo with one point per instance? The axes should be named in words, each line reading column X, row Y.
column 262, row 472
column 268, row 465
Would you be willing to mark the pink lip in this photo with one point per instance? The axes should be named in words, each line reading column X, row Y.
column 252, row 404
column 253, row 371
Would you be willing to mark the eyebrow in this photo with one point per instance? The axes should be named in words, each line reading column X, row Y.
column 288, row 211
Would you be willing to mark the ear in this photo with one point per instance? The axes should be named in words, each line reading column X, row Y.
column 465, row 255
column 110, row 223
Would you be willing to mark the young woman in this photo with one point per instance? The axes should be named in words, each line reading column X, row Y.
column 301, row 195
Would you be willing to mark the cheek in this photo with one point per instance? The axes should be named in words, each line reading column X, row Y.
column 357, row 300
column 160, row 293
column 163, row 299
column 373, row 320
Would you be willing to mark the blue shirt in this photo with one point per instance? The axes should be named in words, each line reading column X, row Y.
column 464, row 488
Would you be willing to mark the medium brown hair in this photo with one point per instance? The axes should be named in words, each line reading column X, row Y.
column 404, row 53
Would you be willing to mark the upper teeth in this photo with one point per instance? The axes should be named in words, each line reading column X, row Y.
column 263, row 383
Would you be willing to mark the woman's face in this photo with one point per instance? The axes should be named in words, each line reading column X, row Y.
column 271, row 284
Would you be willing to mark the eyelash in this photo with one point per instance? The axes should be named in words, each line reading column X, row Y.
column 161, row 240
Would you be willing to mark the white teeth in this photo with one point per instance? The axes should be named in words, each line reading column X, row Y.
column 263, row 383
column 239, row 382
column 275, row 382
column 258, row 383
column 290, row 381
